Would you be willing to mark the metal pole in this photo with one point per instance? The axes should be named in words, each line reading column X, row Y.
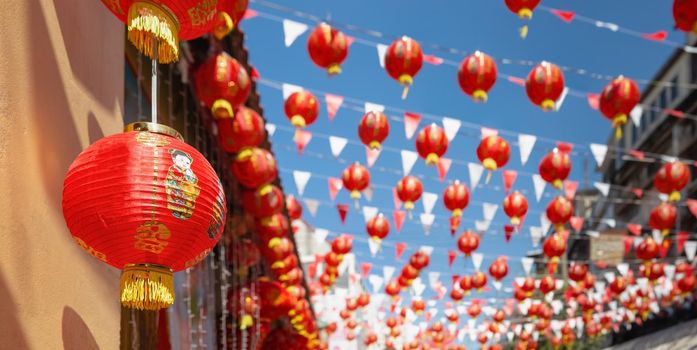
column 153, row 83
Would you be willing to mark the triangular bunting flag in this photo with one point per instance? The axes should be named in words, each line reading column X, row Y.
column 365, row 269
column 566, row 16
column 475, row 172
column 373, row 246
column 301, row 139
column 539, row 183
column 690, row 249
column 593, row 101
column 343, row 210
column 333, row 103
column 623, row 269
column 373, row 107
column 408, row 160
column 509, row 177
column 376, row 282
column 382, row 50
column 576, row 223
column 312, row 205
column 368, row 193
column 535, row 235
column 289, row 89
column 452, row 255
column 320, row 235
column 477, row 260
column 270, row 129
column 434, row 60
column 411, row 123
column 429, row 201
column 604, row 188
column 337, row 145
column 489, row 210
column 681, row 239
column 599, row 151
column 395, row 199
column 399, row 249
column 508, row 231
column 527, row 264
column 561, row 99
column 301, row 178
column 387, row 272
column 451, row 126
column 635, row 114
column 526, row 144
column 426, row 221
column 443, row 167
column 292, row 30
column 398, row 216
column 371, row 155
column 634, row 229
column 482, row 225
column 369, row 212
column 657, row 36
column 426, row 249
column 497, row 284
column 692, row 206
column 570, row 188
column 335, row 186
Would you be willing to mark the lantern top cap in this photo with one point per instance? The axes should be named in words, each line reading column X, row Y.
column 153, row 127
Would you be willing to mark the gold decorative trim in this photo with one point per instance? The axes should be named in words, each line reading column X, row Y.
column 154, row 127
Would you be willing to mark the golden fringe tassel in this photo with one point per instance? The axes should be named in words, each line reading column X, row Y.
column 146, row 20
column 147, row 287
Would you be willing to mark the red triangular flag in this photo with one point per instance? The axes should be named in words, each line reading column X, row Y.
column 399, row 249
column 411, row 123
column 454, row 224
column 455, row 279
column 249, row 13
column 570, row 188
column 576, row 223
column 365, row 269
column 343, row 210
column 255, row 74
column 565, row 147
column 302, row 138
column 333, row 103
column 319, row 258
column 451, row 258
column 566, row 16
column 516, row 80
column 371, row 155
column 634, row 229
column 692, row 205
column 565, row 234
column 398, row 216
column 395, row 198
column 335, row 185
column 443, row 167
column 508, row 231
column 665, row 247
column 434, row 60
column 638, row 192
column 676, row 113
column 657, row 36
column 636, row 154
column 593, row 100
column 681, row 239
column 312, row 270
column 509, row 177
column 628, row 244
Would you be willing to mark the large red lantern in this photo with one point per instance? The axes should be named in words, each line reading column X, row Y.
column 164, row 21
column 328, row 48
column 544, row 86
column 522, row 8
column 671, row 179
column 477, row 75
column 301, row 108
column 244, row 130
column 403, row 61
column 647, row 250
column 499, row 268
column 262, row 205
column 468, row 242
column 230, row 13
column 255, row 169
column 222, row 84
column 355, row 178
column 559, row 212
column 685, row 15
column 494, row 152
column 373, row 129
column 478, row 281
column 147, row 203
column 555, row 167
column 456, row 197
column 431, row 143
column 554, row 247
column 295, row 209
column 515, row 205
column 663, row 218
column 617, row 100
column 378, row 227
column 409, row 190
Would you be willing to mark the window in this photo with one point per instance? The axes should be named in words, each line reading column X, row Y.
column 693, row 80
column 665, row 99
column 674, row 91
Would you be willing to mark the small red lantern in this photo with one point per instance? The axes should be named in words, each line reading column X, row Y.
column 498, row 269
column 655, row 272
column 474, row 310
column 515, row 205
column 456, row 197
column 465, row 283
column 431, row 143
column 618, row 285
column 522, row 8
column 419, row 260
column 559, row 212
column 555, row 167
column 452, row 316
column 647, row 250
column 403, row 60
column 301, row 108
column 528, row 286
column 478, row 280
column 477, row 75
column 222, row 84
column 482, row 338
column 295, row 209
column 663, row 218
column 272, row 226
column 277, row 249
column 333, row 259
column 494, row 152
column 378, row 227
column 547, row 284
column 373, row 129
column 328, row 48
column 392, row 289
column 370, row 339
column 577, row 272
column 145, row 202
column 230, row 13
column 342, row 245
column 671, row 179
column 457, row 294
column 409, row 190
column 687, row 284
column 468, row 242
column 554, row 247
column 255, row 169
column 262, row 205
column 355, row 178
column 244, row 130
column 685, row 15
column 363, row 299
column 544, row 86
column 617, row 100
column 418, row 306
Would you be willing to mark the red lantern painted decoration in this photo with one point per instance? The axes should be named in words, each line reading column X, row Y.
column 262, row 205
column 431, row 144
column 403, row 60
column 547, row 284
column 409, row 190
column 172, row 225
column 378, row 227
column 671, row 179
column 244, row 130
column 515, row 205
column 222, row 84
column 663, row 218
column 230, row 13
column 295, row 209
column 373, row 129
column 617, row 100
column 685, row 15
column 523, row 8
column 301, row 108
column 555, row 167
column 356, row 179
column 544, row 86
column 477, row 75
column 498, row 269
column 468, row 242
column 255, row 169
column 554, row 247
column 478, row 281
column 328, row 48
column 559, row 212
column 494, row 152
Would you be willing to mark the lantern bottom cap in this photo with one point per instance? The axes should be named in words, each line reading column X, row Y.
column 333, row 69
column 224, row 26
column 525, row 13
column 147, row 287
column 148, row 21
column 432, row 159
column 222, row 109
column 480, row 95
column 548, row 105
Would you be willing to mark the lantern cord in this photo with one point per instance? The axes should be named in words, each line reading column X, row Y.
column 153, row 82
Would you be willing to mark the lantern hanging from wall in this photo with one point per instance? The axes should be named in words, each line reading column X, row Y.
column 515, row 205
column 663, row 218
column 373, row 129
column 173, row 222
column 545, row 85
column 403, row 60
column 222, row 84
column 295, row 209
column 263, row 205
column 409, row 190
column 255, row 168
column 328, row 48
column 685, row 15
column 555, row 167
column 431, row 143
column 559, row 212
column 493, row 152
column 617, row 100
column 244, row 130
column 230, row 13
column 477, row 75
column 356, row 179
column 672, row 178
column 456, row 197
column 301, row 108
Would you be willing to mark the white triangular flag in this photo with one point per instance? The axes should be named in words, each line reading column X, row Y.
column 426, row 249
column 387, row 272
column 320, row 235
column 368, row 193
column 539, row 183
column 289, row 89
column 663, row 197
column 408, row 160
column 489, row 210
column 476, row 171
column 610, row 222
column 312, row 205
column 418, row 289
column 591, row 233
column 369, row 212
column 560, row 101
column 481, row 225
column 557, row 306
column 497, row 284
column 635, row 114
column 337, row 145
column 519, row 280
column 426, row 221
column 477, row 260
column 599, row 152
column 301, row 178
column 535, row 235
column 599, row 286
column 451, row 127
column 374, row 246
column 609, row 277
column 382, row 50
column 270, row 129
column 376, row 281
column 429, row 201
column 526, row 144
column 373, row 107
column 657, row 236
column 292, row 30
column 690, row 249
column 509, row 336
column 433, row 278
column 637, row 241
column 669, row 270
column 604, row 188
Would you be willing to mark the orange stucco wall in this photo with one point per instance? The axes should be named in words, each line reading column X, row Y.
column 61, row 88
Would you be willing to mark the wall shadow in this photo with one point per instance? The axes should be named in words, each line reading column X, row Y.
column 94, row 130
column 11, row 331
column 76, row 334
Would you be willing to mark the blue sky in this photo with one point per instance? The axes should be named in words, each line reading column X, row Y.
column 484, row 25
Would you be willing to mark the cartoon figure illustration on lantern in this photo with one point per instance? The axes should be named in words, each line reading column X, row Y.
column 181, row 185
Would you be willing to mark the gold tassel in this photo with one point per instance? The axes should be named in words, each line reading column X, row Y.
column 147, row 287
column 147, row 20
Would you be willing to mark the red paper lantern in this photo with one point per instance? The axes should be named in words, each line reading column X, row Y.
column 301, row 108
column 403, row 61
column 409, row 273
column 457, row 294
column 617, row 100
column 555, row 167
column 687, row 284
column 333, row 259
column 419, row 260
column 547, row 284
column 391, row 322
column 478, row 280
column 262, row 205
column 452, row 316
column 370, row 339
column 544, row 86
column 244, row 130
column 255, row 169
column 431, row 143
column 456, row 197
column 618, row 285
column 474, row 310
column 482, row 338
column 672, row 178
column 685, row 15
column 363, row 299
column 418, row 306
column 244, row 253
column 465, row 284
column 392, row 289
column 373, row 129
column 328, row 48
column 498, row 269
column 468, row 242
column 577, row 272
column 477, row 75
column 342, row 245
column 554, row 247
column 559, row 212
column 494, row 152
column 378, row 227
column 274, row 226
column 663, row 218
column 647, row 250
column 166, row 21
column 355, row 178
column 277, row 249
column 222, row 84
column 515, row 205
column 271, row 300
column 295, row 209
column 147, row 203
column 230, row 13
column 522, row 8
column 409, row 190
